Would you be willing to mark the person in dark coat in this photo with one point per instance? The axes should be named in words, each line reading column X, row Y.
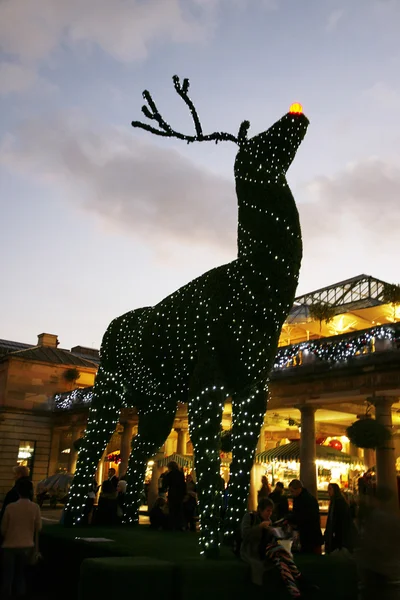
column 265, row 488
column 158, row 514
column 305, row 518
column 113, row 477
column 174, row 482
column 339, row 526
column 20, row 474
column 281, row 504
column 106, row 513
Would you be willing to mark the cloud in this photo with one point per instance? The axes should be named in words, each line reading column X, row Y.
column 18, row 78
column 383, row 96
column 15, row 78
column 351, row 220
column 150, row 191
column 30, row 32
column 333, row 19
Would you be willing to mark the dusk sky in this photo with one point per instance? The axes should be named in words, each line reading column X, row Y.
column 98, row 218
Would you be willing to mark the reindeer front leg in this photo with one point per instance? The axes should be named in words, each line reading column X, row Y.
column 248, row 410
column 206, row 404
column 103, row 416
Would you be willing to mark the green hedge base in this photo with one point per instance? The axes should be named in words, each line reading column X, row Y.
column 142, row 564
column 136, row 577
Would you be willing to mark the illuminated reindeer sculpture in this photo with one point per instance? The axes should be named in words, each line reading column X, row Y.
column 214, row 338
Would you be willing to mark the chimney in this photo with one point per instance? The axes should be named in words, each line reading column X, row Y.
column 48, row 339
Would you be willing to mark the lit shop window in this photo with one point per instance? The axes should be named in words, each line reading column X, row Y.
column 26, row 454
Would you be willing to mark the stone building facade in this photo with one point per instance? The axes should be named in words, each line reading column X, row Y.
column 30, row 375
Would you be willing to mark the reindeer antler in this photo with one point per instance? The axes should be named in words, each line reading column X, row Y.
column 152, row 113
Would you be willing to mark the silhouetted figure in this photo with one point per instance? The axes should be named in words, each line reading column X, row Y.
column 305, row 518
column 265, row 488
column 174, row 482
column 106, row 513
column 281, row 503
column 159, row 515
column 113, row 477
column 339, row 532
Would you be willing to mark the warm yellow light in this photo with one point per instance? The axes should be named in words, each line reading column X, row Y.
column 296, row 108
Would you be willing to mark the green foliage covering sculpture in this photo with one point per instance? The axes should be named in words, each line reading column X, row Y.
column 214, row 338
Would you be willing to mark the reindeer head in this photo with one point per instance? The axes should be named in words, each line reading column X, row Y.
column 265, row 158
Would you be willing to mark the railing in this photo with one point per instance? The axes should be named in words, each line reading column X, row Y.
column 337, row 349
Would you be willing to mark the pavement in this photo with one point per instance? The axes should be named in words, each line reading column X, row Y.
column 52, row 516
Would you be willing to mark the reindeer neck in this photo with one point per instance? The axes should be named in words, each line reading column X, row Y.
column 269, row 228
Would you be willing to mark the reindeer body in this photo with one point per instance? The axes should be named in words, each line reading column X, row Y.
column 215, row 337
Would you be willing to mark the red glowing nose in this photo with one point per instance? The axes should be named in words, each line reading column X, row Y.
column 296, row 108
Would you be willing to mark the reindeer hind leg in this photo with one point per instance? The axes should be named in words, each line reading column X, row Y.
column 103, row 416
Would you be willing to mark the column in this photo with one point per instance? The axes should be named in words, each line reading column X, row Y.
column 385, row 454
column 169, row 446
column 155, row 475
column 126, row 444
column 73, row 453
column 54, row 452
column 308, row 453
column 182, row 439
column 255, row 474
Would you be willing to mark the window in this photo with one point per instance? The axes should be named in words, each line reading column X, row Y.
column 26, row 455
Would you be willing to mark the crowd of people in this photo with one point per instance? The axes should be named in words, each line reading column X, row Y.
column 368, row 534
column 269, row 537
column 174, row 509
column 176, row 505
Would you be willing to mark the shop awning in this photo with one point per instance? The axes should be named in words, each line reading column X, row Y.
column 291, row 452
column 183, row 461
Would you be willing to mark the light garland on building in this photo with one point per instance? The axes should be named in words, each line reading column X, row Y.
column 214, row 338
column 338, row 351
column 77, row 397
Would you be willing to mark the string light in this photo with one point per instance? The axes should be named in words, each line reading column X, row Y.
column 214, row 338
column 337, row 351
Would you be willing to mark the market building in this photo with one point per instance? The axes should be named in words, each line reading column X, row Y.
column 328, row 373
